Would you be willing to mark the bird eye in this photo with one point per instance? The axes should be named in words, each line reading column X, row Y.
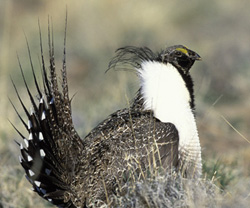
column 191, row 53
column 178, row 53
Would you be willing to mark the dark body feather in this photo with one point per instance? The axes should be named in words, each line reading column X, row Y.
column 73, row 172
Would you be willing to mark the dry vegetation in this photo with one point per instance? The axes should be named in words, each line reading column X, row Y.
column 219, row 31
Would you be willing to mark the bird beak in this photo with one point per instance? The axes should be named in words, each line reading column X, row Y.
column 196, row 57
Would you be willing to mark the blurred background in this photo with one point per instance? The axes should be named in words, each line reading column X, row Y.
column 218, row 31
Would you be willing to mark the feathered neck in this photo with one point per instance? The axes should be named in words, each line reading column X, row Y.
column 164, row 92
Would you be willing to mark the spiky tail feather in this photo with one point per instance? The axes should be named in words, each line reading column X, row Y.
column 51, row 152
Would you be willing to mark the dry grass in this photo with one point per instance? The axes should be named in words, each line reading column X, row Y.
column 217, row 30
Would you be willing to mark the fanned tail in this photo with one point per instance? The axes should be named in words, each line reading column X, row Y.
column 51, row 151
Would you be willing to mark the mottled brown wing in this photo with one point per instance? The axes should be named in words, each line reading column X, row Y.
column 125, row 146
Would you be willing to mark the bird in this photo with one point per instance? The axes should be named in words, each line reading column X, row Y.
column 156, row 131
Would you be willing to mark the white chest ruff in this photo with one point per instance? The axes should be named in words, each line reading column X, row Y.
column 165, row 93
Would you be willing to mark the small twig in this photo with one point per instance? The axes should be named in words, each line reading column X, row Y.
column 105, row 189
column 234, row 128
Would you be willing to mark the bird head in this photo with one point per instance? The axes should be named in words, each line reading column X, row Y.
column 180, row 56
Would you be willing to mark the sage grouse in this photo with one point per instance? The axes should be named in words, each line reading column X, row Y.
column 157, row 130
